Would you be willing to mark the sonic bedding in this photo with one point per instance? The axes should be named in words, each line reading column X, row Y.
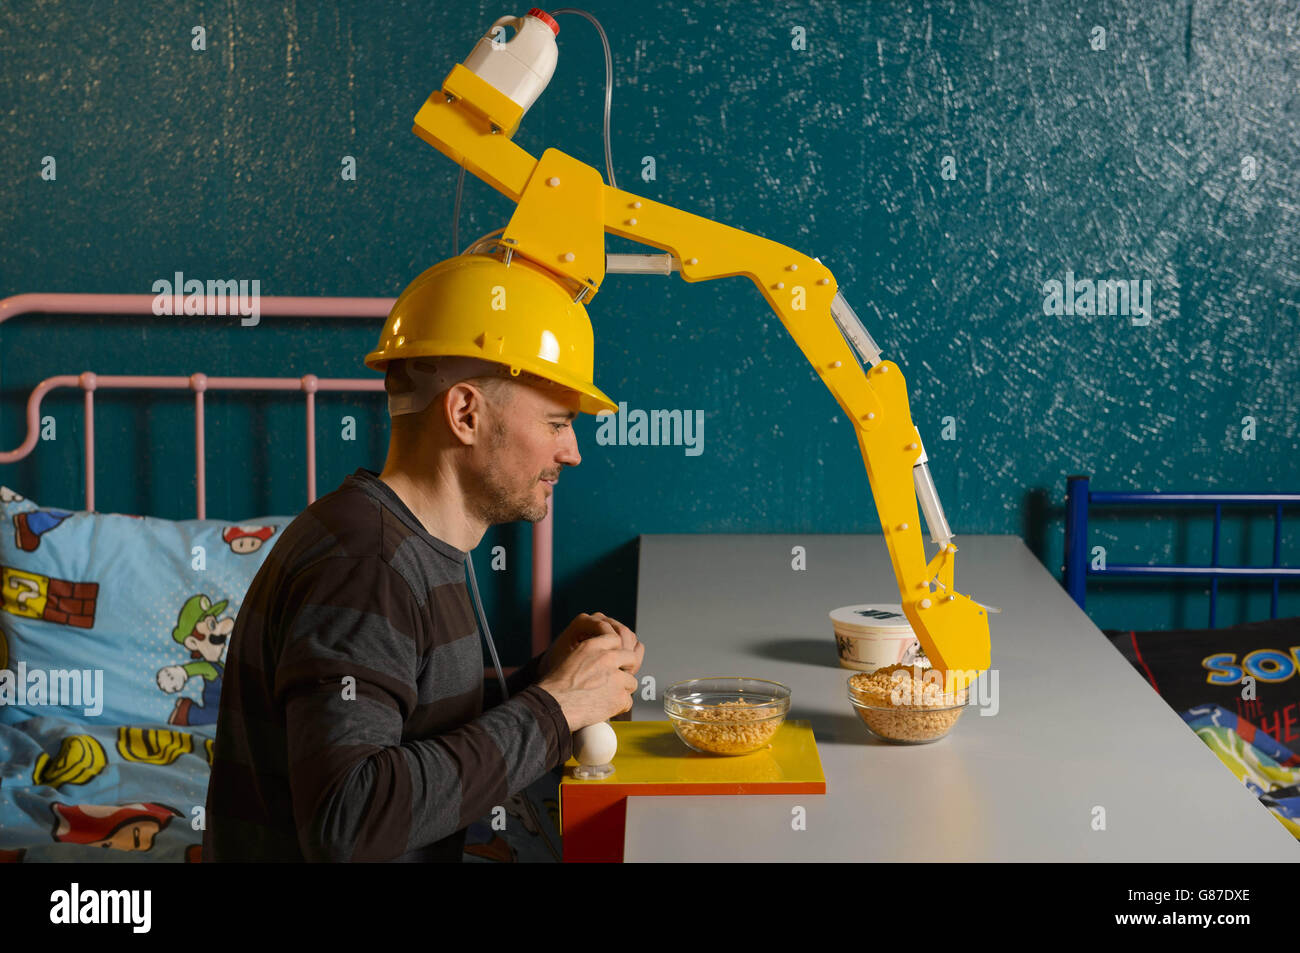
column 1237, row 688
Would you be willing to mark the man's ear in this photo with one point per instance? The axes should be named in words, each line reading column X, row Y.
column 461, row 401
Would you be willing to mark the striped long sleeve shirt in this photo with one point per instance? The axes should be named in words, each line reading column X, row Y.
column 352, row 723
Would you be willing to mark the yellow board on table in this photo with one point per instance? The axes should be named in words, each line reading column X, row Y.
column 653, row 761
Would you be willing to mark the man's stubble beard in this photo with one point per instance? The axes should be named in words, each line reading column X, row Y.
column 497, row 505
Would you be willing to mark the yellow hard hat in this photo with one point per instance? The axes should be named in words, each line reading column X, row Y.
column 519, row 315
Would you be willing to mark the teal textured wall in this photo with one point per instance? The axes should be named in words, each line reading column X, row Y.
column 1170, row 156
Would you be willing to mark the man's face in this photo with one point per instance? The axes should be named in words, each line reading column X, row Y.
column 531, row 443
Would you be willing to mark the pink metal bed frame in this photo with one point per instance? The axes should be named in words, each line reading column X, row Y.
column 310, row 384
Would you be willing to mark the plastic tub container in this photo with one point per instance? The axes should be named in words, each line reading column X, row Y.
column 872, row 636
column 726, row 715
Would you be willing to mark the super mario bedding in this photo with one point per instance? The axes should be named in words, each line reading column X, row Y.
column 72, row 791
column 1238, row 688
column 113, row 634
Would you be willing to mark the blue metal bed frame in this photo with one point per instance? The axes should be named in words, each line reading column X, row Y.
column 1079, row 498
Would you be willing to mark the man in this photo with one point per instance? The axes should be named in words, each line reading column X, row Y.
column 351, row 724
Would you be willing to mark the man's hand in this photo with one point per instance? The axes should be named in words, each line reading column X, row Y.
column 595, row 681
column 589, row 625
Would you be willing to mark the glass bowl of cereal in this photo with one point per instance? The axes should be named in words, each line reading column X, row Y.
column 728, row 714
column 906, row 705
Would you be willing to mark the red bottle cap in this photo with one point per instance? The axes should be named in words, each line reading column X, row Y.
column 545, row 18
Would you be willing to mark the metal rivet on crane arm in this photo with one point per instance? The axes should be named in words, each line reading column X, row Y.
column 636, row 204
column 871, row 416
column 902, row 526
column 692, row 261
column 553, row 181
column 794, row 267
column 836, row 363
column 631, row 221
column 925, row 603
column 780, row 285
column 881, row 369
column 912, row 446
column 568, row 256
column 824, row 281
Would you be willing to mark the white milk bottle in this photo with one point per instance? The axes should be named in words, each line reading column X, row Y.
column 522, row 66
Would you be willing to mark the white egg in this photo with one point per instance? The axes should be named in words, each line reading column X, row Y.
column 595, row 744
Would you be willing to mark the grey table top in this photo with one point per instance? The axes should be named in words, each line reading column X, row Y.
column 1076, row 727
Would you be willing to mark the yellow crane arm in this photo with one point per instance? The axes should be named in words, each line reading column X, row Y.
column 564, row 208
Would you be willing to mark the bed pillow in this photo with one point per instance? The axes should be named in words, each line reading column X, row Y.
column 1251, row 670
column 119, row 619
